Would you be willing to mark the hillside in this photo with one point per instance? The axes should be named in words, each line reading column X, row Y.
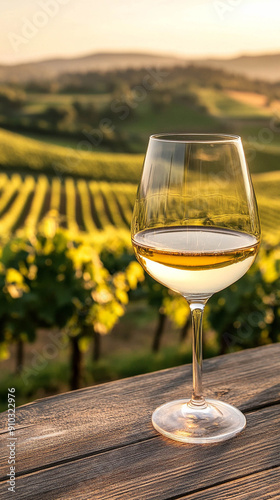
column 263, row 67
column 93, row 191
column 18, row 153
column 89, row 207
column 49, row 69
column 22, row 154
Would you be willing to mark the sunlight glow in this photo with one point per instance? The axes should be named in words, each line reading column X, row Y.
column 52, row 28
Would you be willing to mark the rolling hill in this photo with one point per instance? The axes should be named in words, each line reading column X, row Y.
column 91, row 207
column 21, row 154
column 94, row 191
column 49, row 69
column 24, row 155
column 264, row 67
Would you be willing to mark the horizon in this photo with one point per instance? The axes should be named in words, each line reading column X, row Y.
column 144, row 53
column 32, row 31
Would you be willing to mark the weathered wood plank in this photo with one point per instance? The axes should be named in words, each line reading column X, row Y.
column 264, row 485
column 91, row 420
column 159, row 469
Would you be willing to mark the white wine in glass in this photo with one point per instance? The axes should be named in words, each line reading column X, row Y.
column 195, row 229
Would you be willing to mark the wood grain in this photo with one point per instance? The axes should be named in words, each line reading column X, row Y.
column 159, row 469
column 264, row 485
column 99, row 418
column 98, row 442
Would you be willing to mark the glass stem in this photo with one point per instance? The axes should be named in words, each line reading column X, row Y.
column 197, row 309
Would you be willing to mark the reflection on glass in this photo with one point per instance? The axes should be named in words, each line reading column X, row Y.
column 195, row 229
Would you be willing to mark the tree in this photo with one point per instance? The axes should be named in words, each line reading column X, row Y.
column 86, row 113
column 54, row 116
column 11, row 100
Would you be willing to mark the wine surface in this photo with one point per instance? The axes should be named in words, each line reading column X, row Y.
column 195, row 259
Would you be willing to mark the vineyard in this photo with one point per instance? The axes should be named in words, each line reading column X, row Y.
column 19, row 153
column 70, row 163
column 91, row 190
column 85, row 206
column 89, row 206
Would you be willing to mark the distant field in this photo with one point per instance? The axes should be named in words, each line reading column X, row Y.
column 254, row 99
column 22, row 154
column 55, row 140
column 267, row 187
column 174, row 118
column 228, row 103
column 28, row 155
column 36, row 103
column 90, row 206
column 93, row 191
column 232, row 104
column 214, row 110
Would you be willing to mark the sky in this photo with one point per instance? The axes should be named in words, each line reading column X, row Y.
column 42, row 29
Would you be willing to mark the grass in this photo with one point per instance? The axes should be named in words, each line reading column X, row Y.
column 262, row 158
column 57, row 140
column 127, row 350
column 53, row 379
column 172, row 118
column 243, row 113
column 20, row 153
column 220, row 104
column 267, row 187
column 254, row 131
column 116, row 367
column 121, row 172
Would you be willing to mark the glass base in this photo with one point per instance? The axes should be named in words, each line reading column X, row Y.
column 183, row 421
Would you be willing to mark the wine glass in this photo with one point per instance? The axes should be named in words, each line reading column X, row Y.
column 195, row 229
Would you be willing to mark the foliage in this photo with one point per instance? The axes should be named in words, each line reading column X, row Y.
column 48, row 280
column 11, row 99
column 117, row 253
column 54, row 116
column 176, row 308
column 247, row 314
column 121, row 108
column 86, row 113
column 80, row 279
column 53, row 378
column 96, row 82
column 50, row 379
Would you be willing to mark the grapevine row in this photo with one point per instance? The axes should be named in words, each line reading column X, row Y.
column 83, row 205
column 91, row 206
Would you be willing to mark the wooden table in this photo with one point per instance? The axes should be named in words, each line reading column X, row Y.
column 99, row 443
